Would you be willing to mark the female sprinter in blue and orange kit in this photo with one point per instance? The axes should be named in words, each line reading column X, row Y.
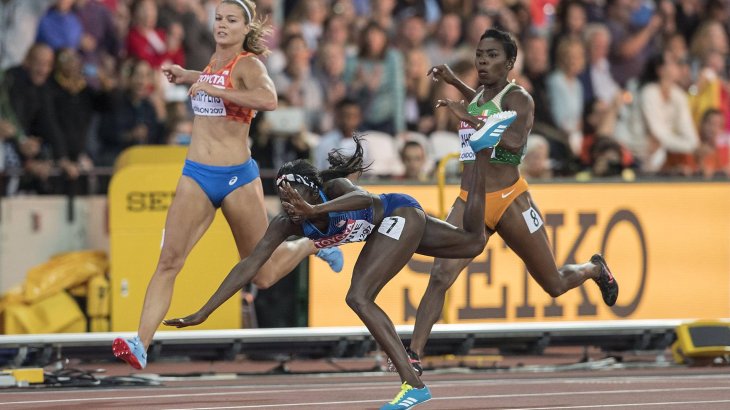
column 327, row 208
column 219, row 171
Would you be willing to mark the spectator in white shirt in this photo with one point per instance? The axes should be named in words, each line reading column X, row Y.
column 596, row 79
column 669, row 136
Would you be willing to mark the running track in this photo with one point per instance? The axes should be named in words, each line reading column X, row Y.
column 659, row 388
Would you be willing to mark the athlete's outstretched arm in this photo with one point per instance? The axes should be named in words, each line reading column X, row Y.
column 178, row 75
column 241, row 274
column 443, row 73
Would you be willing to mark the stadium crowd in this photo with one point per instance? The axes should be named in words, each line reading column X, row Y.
column 621, row 87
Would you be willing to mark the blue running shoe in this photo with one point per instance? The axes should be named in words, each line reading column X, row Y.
column 131, row 351
column 333, row 257
column 491, row 132
column 408, row 397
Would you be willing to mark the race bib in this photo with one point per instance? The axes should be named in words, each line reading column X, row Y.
column 392, row 226
column 355, row 231
column 532, row 219
column 465, row 132
column 207, row 106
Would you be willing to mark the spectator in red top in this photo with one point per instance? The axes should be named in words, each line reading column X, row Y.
column 152, row 45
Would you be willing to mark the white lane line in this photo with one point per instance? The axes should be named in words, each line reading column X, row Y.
column 487, row 396
column 598, row 406
column 437, row 383
column 332, row 403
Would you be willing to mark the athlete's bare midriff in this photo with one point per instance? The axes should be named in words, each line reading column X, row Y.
column 219, row 141
column 497, row 176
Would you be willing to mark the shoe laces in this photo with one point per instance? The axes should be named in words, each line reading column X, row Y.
column 404, row 388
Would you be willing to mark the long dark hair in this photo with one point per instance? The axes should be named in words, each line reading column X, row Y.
column 341, row 165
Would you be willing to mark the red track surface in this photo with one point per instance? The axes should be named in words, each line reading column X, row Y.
column 648, row 388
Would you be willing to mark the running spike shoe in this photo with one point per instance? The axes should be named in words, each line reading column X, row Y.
column 491, row 132
column 131, row 351
column 408, row 397
column 606, row 282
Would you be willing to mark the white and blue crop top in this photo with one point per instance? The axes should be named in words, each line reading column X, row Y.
column 344, row 227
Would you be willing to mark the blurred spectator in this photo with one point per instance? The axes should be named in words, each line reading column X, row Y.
column 710, row 37
column 60, row 27
column 427, row 9
column 668, row 138
column 18, row 29
column 443, row 47
column 536, row 161
column 536, row 69
column 596, row 79
column 606, row 161
column 150, row 44
column 412, row 33
column 337, row 31
column 132, row 117
column 413, row 156
column 713, row 157
column 27, row 120
column 348, row 117
column 688, row 17
column 570, row 22
column 677, row 47
column 311, row 15
column 476, row 25
column 99, row 41
column 74, row 104
column 376, row 80
column 631, row 44
column 419, row 99
column 381, row 12
column 712, row 89
column 198, row 42
column 566, row 92
column 599, row 121
column 296, row 82
column 330, row 75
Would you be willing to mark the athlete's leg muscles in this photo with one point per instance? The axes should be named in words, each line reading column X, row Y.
column 534, row 250
column 467, row 238
column 189, row 216
column 443, row 274
column 381, row 258
column 245, row 212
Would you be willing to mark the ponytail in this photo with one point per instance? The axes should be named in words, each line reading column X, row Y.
column 342, row 165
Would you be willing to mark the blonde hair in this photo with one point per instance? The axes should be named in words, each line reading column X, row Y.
column 260, row 27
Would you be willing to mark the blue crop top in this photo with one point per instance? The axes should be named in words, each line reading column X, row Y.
column 344, row 227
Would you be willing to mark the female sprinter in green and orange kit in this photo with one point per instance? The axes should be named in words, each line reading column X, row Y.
column 510, row 210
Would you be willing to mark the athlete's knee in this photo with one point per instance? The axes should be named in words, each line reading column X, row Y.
column 442, row 277
column 554, row 289
column 263, row 281
column 171, row 262
column 357, row 301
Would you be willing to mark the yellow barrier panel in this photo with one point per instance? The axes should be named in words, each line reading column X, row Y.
column 668, row 244
column 58, row 313
column 139, row 197
column 151, row 154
